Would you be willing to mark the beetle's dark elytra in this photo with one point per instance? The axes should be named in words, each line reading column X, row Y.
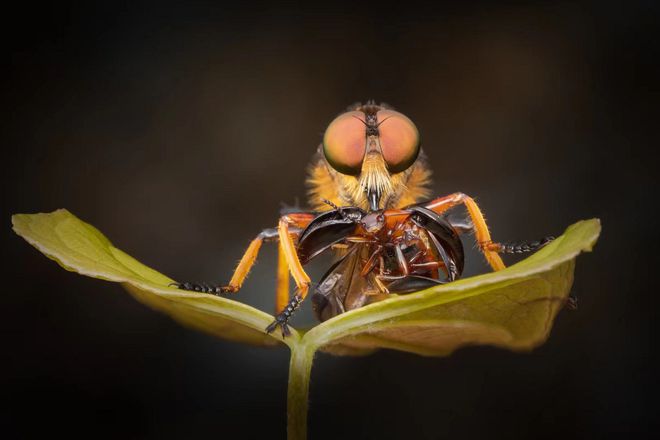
column 412, row 283
column 443, row 232
column 327, row 229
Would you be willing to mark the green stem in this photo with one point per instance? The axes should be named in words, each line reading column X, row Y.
column 300, row 369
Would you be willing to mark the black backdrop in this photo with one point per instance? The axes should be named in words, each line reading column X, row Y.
column 179, row 128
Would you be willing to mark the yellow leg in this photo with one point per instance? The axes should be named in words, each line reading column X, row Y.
column 300, row 220
column 288, row 247
column 240, row 273
column 290, row 256
column 244, row 266
column 482, row 234
column 282, row 293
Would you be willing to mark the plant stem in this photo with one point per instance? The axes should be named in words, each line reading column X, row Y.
column 300, row 369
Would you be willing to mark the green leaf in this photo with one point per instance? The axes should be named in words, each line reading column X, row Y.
column 79, row 247
column 513, row 308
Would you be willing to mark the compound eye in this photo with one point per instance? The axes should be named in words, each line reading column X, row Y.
column 399, row 140
column 344, row 142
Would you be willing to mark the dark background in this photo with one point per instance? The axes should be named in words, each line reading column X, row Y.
column 179, row 128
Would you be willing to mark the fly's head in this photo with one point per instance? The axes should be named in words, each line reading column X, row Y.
column 370, row 152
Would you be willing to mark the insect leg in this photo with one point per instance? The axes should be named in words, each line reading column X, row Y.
column 242, row 270
column 298, row 220
column 283, row 317
column 427, row 265
column 416, row 257
column 248, row 260
column 379, row 283
column 518, row 248
column 282, row 292
column 371, row 262
column 390, row 277
column 482, row 234
column 358, row 239
column 297, row 272
column 403, row 264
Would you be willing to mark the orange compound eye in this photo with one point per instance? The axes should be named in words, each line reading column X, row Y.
column 399, row 140
column 344, row 142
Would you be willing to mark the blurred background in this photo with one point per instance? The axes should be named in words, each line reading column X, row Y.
column 179, row 129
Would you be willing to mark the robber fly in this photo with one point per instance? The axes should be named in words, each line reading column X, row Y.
column 366, row 182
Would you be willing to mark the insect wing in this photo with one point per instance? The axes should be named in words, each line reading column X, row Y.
column 342, row 287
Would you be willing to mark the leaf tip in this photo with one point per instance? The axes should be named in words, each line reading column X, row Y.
column 594, row 227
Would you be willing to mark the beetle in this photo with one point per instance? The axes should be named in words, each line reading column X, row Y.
column 395, row 251
column 366, row 183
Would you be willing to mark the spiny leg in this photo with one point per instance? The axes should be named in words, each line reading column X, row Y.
column 282, row 319
column 518, row 248
column 371, row 261
column 482, row 234
column 298, row 220
column 297, row 272
column 240, row 273
column 282, row 292
column 521, row 247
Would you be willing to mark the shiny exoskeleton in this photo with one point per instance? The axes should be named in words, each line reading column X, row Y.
column 384, row 252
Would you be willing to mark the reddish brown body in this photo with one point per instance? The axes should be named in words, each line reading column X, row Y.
column 382, row 252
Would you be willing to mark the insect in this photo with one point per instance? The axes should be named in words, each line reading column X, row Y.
column 394, row 251
column 366, row 182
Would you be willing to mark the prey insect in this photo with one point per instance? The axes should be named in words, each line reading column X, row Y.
column 394, row 251
column 366, row 182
